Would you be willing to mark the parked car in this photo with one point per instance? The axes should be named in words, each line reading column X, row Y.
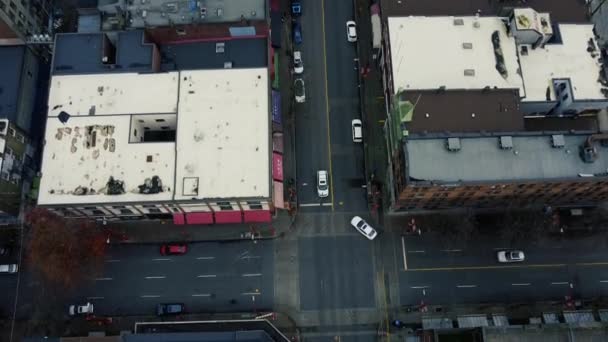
column 362, row 227
column 299, row 90
column 298, row 65
column 357, row 128
column 173, row 249
column 297, row 33
column 81, row 309
column 510, row 256
column 351, row 31
column 169, row 309
column 322, row 184
column 9, row 268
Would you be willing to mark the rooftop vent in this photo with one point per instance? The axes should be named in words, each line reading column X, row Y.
column 467, row 46
column 453, row 144
column 227, row 65
column 558, row 141
column 506, row 142
column 219, row 47
column 458, row 22
column 469, row 72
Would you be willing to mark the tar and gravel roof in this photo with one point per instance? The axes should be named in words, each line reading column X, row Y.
column 222, row 135
column 482, row 159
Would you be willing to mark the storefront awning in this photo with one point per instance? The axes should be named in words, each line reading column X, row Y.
column 278, row 197
column 179, row 219
column 276, row 107
column 199, row 218
column 228, row 216
column 277, row 166
column 277, row 142
column 257, row 216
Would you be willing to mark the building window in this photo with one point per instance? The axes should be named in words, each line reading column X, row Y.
column 255, row 205
column 224, row 205
column 160, row 120
column 13, row 6
column 154, row 211
column 126, row 212
column 98, row 212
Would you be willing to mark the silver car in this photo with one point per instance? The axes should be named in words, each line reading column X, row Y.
column 362, row 227
column 510, row 256
column 322, row 184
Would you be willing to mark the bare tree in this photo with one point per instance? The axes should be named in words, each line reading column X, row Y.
column 63, row 251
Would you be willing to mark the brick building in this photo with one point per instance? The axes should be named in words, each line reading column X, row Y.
column 490, row 105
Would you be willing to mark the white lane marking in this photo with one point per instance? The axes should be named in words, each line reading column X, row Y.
column 93, row 298
column 326, row 204
column 150, row 296
column 201, row 295
column 520, row 284
column 155, row 277
column 559, row 283
column 252, row 275
column 415, row 251
column 161, row 259
column 205, row 258
column 404, row 254
column 419, row 287
column 465, row 286
column 206, row 276
column 113, row 260
column 603, row 281
column 99, row 279
column 451, row 250
column 251, row 294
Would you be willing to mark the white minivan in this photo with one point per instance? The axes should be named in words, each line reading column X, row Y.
column 9, row 268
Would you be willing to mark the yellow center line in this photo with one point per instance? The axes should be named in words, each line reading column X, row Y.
column 331, row 181
column 465, row 268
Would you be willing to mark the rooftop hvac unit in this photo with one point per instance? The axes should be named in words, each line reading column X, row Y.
column 506, row 142
column 458, row 22
column 453, row 144
column 227, row 65
column 219, row 47
column 467, row 46
column 469, row 72
column 558, row 141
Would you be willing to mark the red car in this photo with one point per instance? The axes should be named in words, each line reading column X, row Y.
column 173, row 249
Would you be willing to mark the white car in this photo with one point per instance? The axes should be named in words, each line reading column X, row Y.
column 357, row 130
column 322, row 184
column 81, row 309
column 351, row 31
column 298, row 65
column 510, row 256
column 363, row 227
column 299, row 91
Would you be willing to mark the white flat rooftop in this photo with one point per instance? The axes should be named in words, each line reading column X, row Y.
column 106, row 94
column 221, row 149
column 567, row 60
column 223, row 137
column 429, row 52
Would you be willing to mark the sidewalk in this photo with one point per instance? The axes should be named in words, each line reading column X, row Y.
column 372, row 109
column 166, row 231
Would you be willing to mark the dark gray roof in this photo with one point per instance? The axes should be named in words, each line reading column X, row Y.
column 11, row 64
column 464, row 111
column 243, row 53
column 229, row 336
column 480, row 158
column 132, row 54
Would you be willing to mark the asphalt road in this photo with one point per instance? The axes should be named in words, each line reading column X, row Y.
column 323, row 131
column 432, row 273
column 336, row 273
column 211, row 277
